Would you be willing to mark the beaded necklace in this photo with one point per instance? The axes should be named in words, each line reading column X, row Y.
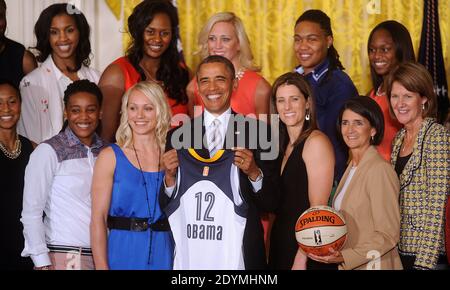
column 240, row 73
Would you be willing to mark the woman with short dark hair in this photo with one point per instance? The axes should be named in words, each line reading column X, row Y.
column 57, row 194
column 367, row 195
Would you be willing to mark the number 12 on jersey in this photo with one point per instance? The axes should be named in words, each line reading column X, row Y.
column 208, row 201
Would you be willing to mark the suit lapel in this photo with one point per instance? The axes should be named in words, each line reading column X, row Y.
column 368, row 156
column 416, row 157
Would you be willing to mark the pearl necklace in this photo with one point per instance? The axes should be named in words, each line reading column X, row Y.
column 240, row 73
column 15, row 152
column 379, row 93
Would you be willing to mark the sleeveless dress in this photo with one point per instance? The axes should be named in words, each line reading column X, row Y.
column 293, row 202
column 128, row 250
column 132, row 77
column 11, row 61
column 207, row 213
column 12, row 172
column 391, row 126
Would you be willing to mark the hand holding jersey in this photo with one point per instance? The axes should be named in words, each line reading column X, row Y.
column 213, row 198
column 170, row 163
column 216, row 85
column 244, row 160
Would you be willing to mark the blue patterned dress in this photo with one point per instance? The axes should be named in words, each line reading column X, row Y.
column 129, row 250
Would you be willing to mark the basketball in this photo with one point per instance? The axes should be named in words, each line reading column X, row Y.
column 320, row 228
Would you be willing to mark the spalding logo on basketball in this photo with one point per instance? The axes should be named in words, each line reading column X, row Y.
column 320, row 228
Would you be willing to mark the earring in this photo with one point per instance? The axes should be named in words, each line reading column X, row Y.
column 308, row 115
column 372, row 138
column 423, row 106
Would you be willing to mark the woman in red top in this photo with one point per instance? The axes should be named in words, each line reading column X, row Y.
column 389, row 44
column 224, row 34
column 152, row 56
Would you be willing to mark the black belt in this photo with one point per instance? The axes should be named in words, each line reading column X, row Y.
column 70, row 249
column 137, row 224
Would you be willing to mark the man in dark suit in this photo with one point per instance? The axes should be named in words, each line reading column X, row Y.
column 216, row 82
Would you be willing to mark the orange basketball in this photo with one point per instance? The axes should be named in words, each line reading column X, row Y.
column 320, row 228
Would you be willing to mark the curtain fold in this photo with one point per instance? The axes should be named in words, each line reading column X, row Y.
column 115, row 6
column 270, row 25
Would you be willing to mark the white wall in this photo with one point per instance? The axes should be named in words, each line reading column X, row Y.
column 106, row 30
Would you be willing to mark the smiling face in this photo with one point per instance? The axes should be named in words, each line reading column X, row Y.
column 9, row 107
column 356, row 130
column 407, row 106
column 141, row 113
column 83, row 114
column 382, row 52
column 64, row 37
column 215, row 85
column 222, row 40
column 157, row 36
column 291, row 105
column 310, row 45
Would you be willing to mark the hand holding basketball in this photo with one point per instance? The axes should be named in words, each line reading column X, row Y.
column 320, row 229
column 335, row 257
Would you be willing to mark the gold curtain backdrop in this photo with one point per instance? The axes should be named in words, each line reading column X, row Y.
column 270, row 25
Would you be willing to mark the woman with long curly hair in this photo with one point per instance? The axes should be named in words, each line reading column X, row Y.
column 152, row 56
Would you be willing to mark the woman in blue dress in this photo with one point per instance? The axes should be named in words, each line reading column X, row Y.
column 126, row 184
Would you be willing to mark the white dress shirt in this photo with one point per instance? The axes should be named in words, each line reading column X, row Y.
column 209, row 118
column 224, row 119
column 58, row 183
column 42, row 93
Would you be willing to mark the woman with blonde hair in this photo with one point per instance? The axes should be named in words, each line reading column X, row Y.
column 126, row 184
column 224, row 34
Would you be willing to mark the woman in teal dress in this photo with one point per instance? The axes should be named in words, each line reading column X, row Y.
column 126, row 184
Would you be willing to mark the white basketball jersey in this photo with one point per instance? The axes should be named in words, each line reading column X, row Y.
column 207, row 214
